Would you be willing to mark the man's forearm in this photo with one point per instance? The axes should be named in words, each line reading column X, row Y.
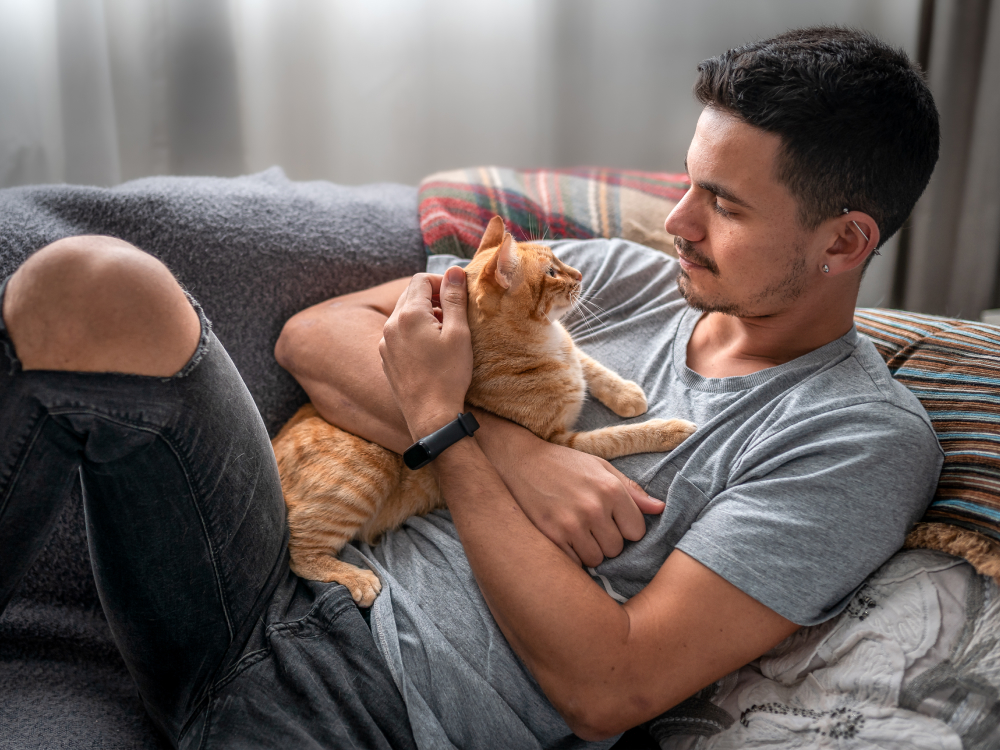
column 605, row 666
column 517, row 569
column 331, row 349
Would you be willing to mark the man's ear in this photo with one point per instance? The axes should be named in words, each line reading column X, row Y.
column 493, row 235
column 857, row 236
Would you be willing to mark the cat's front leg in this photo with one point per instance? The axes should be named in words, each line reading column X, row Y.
column 623, row 397
column 654, row 436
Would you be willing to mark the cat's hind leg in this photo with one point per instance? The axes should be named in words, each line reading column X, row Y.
column 363, row 584
column 654, row 436
column 334, row 483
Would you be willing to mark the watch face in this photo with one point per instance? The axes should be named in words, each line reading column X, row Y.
column 417, row 455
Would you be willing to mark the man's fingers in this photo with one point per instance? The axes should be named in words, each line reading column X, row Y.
column 628, row 514
column 588, row 550
column 423, row 288
column 609, row 537
column 645, row 502
column 571, row 554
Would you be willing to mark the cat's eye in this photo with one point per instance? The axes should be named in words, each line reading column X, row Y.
column 552, row 272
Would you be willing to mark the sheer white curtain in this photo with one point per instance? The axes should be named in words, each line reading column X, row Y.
column 392, row 89
column 100, row 91
column 953, row 258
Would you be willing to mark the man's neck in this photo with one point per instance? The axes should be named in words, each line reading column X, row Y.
column 724, row 346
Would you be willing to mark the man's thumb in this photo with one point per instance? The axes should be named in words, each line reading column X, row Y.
column 453, row 295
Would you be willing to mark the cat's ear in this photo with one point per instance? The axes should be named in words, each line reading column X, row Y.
column 506, row 262
column 493, row 235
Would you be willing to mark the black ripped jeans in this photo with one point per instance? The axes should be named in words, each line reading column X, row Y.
column 186, row 528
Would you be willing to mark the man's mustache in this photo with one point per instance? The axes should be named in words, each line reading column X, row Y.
column 683, row 247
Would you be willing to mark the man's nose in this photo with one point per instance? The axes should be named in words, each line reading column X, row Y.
column 682, row 221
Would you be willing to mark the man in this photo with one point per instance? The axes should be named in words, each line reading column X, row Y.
column 809, row 465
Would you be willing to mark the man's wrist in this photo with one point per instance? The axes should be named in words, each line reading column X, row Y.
column 504, row 442
column 428, row 421
column 426, row 449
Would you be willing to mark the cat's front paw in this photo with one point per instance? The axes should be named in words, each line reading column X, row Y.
column 629, row 400
column 672, row 432
column 363, row 585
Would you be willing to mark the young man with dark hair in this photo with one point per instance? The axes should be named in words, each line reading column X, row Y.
column 809, row 465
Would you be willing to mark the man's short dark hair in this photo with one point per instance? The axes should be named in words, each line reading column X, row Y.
column 857, row 122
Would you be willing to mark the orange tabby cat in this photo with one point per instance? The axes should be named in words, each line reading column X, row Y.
column 340, row 487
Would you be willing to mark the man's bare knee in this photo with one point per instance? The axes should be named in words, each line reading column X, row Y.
column 98, row 304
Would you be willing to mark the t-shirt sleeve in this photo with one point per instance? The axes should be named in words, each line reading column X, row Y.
column 811, row 509
column 441, row 263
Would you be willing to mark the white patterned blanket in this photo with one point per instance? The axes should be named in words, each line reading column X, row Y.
column 914, row 662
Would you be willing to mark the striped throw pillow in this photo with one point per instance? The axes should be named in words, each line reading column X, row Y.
column 953, row 367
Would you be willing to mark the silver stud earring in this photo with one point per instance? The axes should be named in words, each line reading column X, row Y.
column 826, row 268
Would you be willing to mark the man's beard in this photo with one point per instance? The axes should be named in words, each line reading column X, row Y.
column 785, row 290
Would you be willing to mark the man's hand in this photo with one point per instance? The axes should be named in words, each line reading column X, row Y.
column 580, row 502
column 426, row 351
column 606, row 510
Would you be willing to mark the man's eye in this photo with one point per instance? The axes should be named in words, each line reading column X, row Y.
column 552, row 272
column 720, row 210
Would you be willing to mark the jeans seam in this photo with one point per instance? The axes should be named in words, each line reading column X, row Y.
column 247, row 661
column 191, row 490
column 19, row 466
column 309, row 618
column 208, row 720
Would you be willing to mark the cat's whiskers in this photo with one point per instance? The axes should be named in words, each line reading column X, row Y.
column 588, row 304
column 582, row 305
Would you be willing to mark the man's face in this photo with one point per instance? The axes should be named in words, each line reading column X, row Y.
column 741, row 248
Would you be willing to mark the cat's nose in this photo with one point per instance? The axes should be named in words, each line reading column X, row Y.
column 574, row 274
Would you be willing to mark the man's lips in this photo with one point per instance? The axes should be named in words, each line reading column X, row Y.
column 690, row 259
column 689, row 265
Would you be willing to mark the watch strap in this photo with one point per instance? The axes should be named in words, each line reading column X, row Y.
column 427, row 449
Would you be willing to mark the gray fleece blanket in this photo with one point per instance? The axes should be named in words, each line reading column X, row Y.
column 253, row 250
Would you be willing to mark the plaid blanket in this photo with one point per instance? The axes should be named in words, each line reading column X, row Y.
column 455, row 207
column 952, row 366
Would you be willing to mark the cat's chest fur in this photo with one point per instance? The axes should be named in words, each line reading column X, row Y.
column 529, row 373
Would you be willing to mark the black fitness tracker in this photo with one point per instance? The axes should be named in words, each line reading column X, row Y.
column 427, row 449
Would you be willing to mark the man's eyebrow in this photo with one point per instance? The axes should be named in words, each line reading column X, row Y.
column 719, row 190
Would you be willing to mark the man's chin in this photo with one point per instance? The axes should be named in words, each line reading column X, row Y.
column 700, row 303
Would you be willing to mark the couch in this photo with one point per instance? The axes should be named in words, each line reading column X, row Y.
column 254, row 250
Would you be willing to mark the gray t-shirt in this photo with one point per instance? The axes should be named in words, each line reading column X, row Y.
column 800, row 481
